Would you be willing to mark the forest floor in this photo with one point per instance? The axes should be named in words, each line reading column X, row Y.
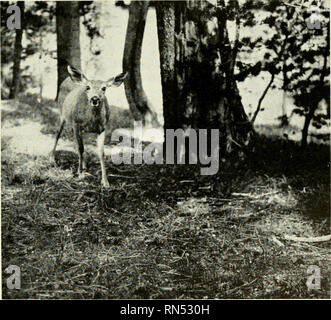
column 160, row 231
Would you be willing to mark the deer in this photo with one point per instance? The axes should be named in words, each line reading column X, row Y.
column 84, row 107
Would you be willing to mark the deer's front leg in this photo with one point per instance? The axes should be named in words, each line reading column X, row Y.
column 101, row 143
column 80, row 147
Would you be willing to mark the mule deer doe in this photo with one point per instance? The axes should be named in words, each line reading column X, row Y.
column 84, row 106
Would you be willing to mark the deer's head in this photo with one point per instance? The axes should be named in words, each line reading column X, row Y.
column 95, row 89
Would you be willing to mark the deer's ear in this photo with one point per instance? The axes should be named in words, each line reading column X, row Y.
column 117, row 81
column 76, row 75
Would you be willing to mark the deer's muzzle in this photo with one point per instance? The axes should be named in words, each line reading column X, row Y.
column 95, row 101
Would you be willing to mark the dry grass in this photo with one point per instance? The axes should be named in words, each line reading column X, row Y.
column 165, row 231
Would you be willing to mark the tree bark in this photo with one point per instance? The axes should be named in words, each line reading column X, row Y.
column 68, row 32
column 197, row 70
column 137, row 99
column 165, row 14
column 14, row 88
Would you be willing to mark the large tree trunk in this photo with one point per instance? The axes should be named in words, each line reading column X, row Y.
column 138, row 102
column 68, row 45
column 197, row 70
column 14, row 88
column 165, row 14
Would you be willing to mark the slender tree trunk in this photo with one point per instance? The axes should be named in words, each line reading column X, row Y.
column 284, row 119
column 285, row 85
column 68, row 32
column 41, row 64
column 14, row 88
column 305, row 129
column 284, row 122
column 199, row 89
column 137, row 99
column 262, row 97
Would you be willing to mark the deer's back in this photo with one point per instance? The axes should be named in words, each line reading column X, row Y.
column 65, row 88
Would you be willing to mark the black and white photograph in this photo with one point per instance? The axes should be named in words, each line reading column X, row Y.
column 165, row 150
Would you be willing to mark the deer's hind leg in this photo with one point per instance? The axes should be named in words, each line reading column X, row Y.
column 58, row 135
column 80, row 147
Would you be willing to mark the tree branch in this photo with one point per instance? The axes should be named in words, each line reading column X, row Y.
column 309, row 239
column 262, row 97
column 236, row 42
column 302, row 6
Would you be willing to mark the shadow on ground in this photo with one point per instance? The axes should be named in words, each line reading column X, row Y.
column 164, row 231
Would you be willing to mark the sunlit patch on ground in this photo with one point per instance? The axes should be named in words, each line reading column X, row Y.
column 160, row 231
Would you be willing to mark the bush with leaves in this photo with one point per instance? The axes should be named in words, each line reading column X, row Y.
column 300, row 55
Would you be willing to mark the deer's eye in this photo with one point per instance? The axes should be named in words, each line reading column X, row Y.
column 103, row 89
column 88, row 88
